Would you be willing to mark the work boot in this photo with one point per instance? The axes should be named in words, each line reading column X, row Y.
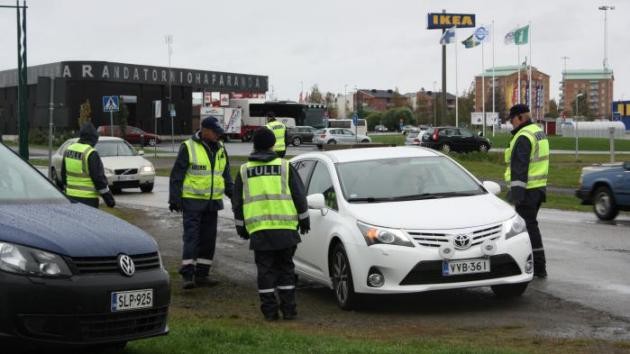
column 205, row 281
column 287, row 303
column 188, row 283
column 269, row 306
column 272, row 317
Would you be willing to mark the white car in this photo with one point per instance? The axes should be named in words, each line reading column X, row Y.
column 338, row 136
column 406, row 220
column 124, row 167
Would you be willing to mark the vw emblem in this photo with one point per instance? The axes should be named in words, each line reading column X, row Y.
column 126, row 265
column 462, row 241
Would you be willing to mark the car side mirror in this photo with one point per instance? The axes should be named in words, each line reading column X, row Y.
column 492, row 187
column 316, row 201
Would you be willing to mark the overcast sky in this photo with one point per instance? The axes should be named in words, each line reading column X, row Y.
column 332, row 43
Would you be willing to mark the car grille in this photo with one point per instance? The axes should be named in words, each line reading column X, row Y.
column 433, row 239
column 91, row 265
column 430, row 272
column 95, row 328
column 126, row 171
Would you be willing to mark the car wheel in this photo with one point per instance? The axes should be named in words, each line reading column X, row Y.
column 152, row 142
column 507, row 291
column 604, row 204
column 484, row 148
column 446, row 148
column 319, row 146
column 332, row 141
column 341, row 275
column 146, row 188
column 365, row 141
column 296, row 141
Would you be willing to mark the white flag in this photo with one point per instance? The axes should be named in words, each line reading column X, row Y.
column 448, row 36
column 482, row 33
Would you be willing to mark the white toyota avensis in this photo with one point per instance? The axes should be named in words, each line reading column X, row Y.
column 404, row 220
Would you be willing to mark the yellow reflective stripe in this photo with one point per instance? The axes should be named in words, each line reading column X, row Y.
column 518, row 184
column 79, row 175
column 80, row 188
column 260, row 218
column 536, row 178
column 261, row 197
column 197, row 191
column 199, row 172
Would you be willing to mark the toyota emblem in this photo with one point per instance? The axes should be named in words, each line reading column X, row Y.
column 462, row 241
column 127, row 267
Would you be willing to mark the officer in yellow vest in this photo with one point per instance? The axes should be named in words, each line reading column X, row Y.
column 527, row 158
column 280, row 132
column 199, row 179
column 269, row 205
column 82, row 172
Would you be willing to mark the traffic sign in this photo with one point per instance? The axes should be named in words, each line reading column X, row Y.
column 355, row 119
column 110, row 104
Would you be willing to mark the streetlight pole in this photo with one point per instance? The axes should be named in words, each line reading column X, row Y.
column 577, row 100
column 606, row 8
column 169, row 42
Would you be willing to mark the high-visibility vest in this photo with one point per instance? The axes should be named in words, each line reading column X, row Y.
column 278, row 130
column 79, row 183
column 267, row 201
column 538, row 158
column 204, row 180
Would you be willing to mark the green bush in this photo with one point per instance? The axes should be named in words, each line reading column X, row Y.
column 40, row 137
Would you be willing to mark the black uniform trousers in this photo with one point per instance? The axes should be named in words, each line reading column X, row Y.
column 200, row 236
column 276, row 271
column 528, row 210
column 281, row 154
column 93, row 202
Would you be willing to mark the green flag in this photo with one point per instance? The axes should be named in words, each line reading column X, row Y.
column 470, row 42
column 521, row 35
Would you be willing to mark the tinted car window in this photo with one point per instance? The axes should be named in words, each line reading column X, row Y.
column 465, row 133
column 322, row 183
column 114, row 148
column 304, row 169
column 404, row 177
column 19, row 182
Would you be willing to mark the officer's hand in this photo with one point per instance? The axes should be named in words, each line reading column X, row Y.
column 175, row 207
column 305, row 226
column 109, row 200
column 242, row 232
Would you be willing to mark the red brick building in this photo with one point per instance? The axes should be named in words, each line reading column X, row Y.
column 596, row 84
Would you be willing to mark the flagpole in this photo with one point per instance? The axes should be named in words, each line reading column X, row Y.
column 456, row 86
column 529, row 75
column 493, row 82
column 518, row 56
column 483, row 93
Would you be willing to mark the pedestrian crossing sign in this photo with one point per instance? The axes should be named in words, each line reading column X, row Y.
column 110, row 104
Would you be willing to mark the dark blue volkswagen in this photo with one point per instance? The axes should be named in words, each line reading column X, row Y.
column 71, row 274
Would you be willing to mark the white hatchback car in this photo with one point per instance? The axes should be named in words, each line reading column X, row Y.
column 124, row 167
column 405, row 220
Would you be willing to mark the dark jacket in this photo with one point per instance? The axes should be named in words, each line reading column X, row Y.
column 267, row 240
column 519, row 167
column 89, row 136
column 178, row 173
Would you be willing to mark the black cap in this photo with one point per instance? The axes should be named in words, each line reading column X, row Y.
column 264, row 139
column 518, row 109
column 212, row 123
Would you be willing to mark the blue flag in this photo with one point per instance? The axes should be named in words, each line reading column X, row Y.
column 448, row 36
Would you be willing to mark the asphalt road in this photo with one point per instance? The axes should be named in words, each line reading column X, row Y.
column 588, row 260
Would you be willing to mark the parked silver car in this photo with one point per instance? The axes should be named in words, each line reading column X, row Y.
column 413, row 138
column 338, row 136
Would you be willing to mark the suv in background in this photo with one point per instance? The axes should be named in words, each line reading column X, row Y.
column 133, row 135
column 455, row 139
column 300, row 134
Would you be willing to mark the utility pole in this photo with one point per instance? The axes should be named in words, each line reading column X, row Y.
column 606, row 8
column 444, row 109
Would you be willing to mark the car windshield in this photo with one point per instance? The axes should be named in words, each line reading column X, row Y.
column 114, row 148
column 405, row 179
column 19, row 182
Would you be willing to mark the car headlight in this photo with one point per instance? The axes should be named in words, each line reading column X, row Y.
column 379, row 235
column 514, row 226
column 109, row 171
column 147, row 169
column 32, row 262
